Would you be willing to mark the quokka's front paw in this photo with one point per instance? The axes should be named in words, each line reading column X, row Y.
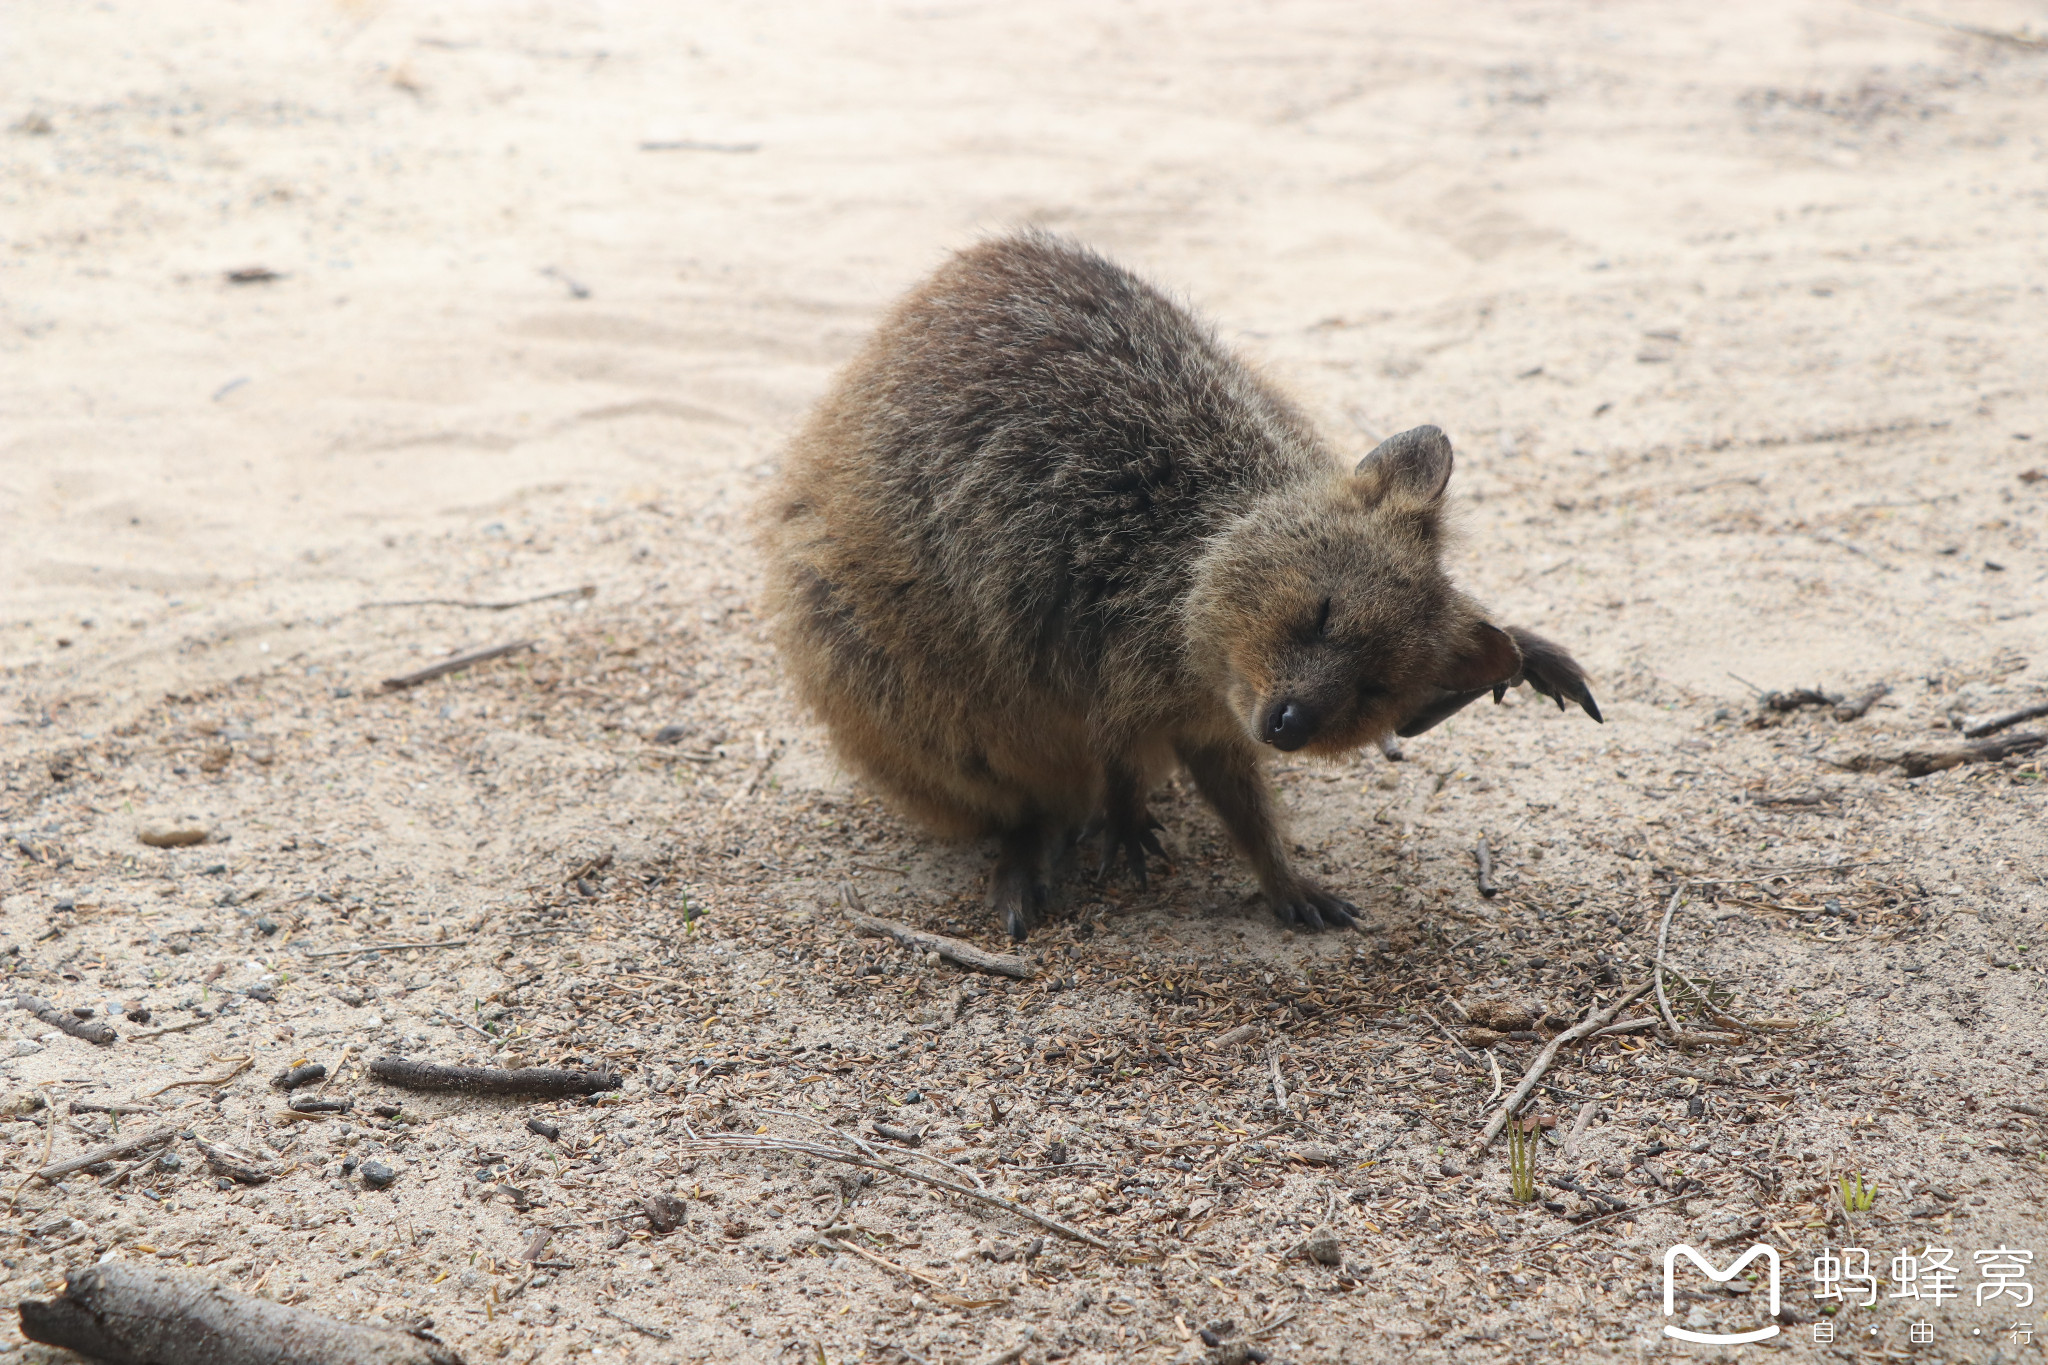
column 1308, row 906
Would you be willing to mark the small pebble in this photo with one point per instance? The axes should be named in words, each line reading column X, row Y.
column 914, row 1097
column 170, row 1161
column 65, row 903
column 1323, row 1248
column 266, row 926
column 261, row 991
column 377, row 1175
column 172, row 835
column 665, row 1212
column 671, row 734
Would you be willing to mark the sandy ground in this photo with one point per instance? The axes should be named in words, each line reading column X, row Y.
column 1734, row 312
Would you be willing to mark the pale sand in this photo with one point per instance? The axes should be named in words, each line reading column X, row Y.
column 1735, row 313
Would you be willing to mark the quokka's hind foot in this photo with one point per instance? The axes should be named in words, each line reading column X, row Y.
column 1018, row 891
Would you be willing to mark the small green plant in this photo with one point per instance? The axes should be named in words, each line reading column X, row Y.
column 1857, row 1197
column 1525, row 1134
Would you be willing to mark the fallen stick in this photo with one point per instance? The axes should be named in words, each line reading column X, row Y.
column 126, row 1313
column 1485, row 857
column 1571, row 1139
column 902, row 1270
column 168, row 1028
column 1920, row 762
column 951, row 949
column 1591, row 1024
column 658, row 1333
column 388, row 947
column 1856, row 706
column 1657, row 967
column 126, row 1147
column 936, row 1288
column 757, row 1143
column 587, row 590
column 2005, row 722
column 479, row 1080
column 456, row 664
column 92, row 1030
column 242, row 1064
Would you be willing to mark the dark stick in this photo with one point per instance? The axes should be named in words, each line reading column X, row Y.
column 459, row 662
column 2009, row 719
column 587, row 590
column 126, row 1147
column 952, row 949
column 126, row 1313
column 478, row 1080
column 1854, row 708
column 1485, row 856
column 389, row 947
column 642, row 1328
column 1920, row 762
column 92, row 1030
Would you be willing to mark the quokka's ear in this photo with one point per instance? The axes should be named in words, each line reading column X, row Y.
column 1415, row 464
column 1487, row 657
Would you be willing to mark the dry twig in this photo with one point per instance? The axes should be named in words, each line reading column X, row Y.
column 126, row 1312
column 951, row 949
column 49, row 1174
column 587, row 590
column 1591, row 1024
column 456, row 664
column 717, row 1142
column 241, row 1064
column 2011, row 718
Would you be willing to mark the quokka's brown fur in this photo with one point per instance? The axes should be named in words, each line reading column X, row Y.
column 1046, row 539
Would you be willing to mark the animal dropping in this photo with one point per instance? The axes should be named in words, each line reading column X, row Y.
column 1046, row 540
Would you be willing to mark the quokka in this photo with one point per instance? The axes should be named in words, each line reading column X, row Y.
column 1046, row 539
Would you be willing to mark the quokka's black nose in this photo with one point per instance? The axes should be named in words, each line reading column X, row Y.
column 1288, row 725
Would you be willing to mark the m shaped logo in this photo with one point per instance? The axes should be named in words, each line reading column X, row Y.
column 1770, row 1254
